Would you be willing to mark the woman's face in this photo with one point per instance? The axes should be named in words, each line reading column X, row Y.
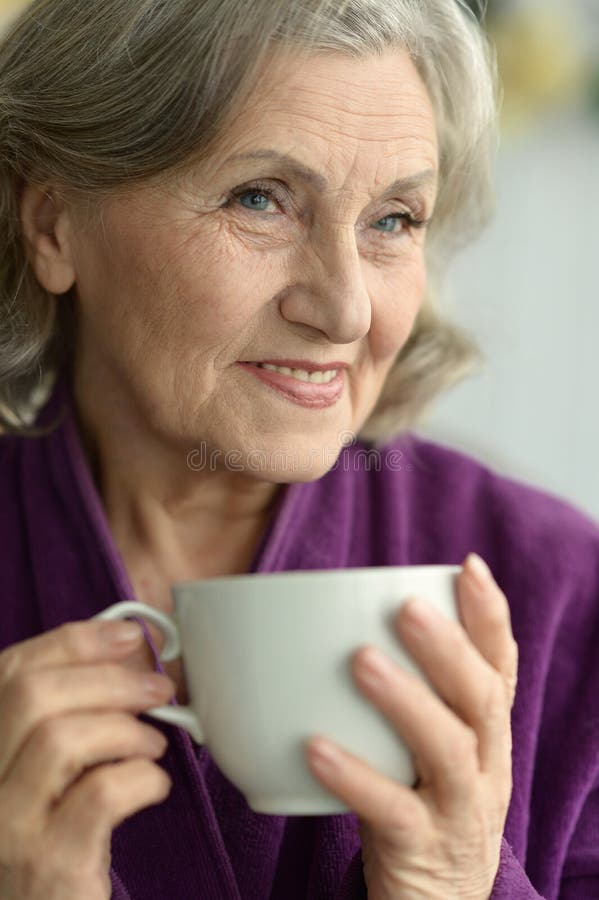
column 291, row 243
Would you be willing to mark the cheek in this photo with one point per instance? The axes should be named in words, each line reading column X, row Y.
column 221, row 283
column 204, row 296
column 397, row 298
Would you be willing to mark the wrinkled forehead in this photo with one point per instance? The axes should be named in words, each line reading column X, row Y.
column 341, row 113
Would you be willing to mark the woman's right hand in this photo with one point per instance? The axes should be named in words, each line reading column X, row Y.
column 74, row 759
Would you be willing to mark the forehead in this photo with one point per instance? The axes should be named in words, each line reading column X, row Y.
column 363, row 111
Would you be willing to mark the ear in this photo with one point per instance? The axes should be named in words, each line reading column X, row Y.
column 45, row 225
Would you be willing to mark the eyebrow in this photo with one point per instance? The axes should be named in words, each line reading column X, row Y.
column 305, row 173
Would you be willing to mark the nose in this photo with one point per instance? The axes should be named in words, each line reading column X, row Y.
column 329, row 293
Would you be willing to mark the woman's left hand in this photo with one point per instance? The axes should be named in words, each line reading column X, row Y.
column 441, row 839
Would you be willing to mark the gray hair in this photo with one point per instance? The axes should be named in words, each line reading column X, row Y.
column 96, row 97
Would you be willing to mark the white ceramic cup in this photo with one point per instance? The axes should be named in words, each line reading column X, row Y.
column 267, row 664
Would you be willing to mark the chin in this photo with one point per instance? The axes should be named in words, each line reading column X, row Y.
column 285, row 465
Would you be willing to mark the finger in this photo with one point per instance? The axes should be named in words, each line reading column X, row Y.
column 83, row 820
column 76, row 642
column 462, row 678
column 445, row 750
column 485, row 614
column 59, row 750
column 383, row 804
column 35, row 696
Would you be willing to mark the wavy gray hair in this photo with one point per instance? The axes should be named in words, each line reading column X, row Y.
column 96, row 97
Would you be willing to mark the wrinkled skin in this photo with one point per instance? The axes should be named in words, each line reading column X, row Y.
column 74, row 759
column 181, row 282
column 441, row 839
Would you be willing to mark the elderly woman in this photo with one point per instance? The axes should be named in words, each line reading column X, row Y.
column 222, row 223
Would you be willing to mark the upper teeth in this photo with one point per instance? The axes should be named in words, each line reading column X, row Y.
column 302, row 374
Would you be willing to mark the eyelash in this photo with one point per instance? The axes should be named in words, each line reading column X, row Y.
column 413, row 222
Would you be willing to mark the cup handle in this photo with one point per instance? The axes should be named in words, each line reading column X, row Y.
column 183, row 716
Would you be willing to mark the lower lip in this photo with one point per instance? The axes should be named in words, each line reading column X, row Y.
column 304, row 393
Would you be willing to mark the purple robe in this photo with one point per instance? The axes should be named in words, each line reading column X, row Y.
column 415, row 503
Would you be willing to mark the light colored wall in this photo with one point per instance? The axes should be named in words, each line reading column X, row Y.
column 529, row 290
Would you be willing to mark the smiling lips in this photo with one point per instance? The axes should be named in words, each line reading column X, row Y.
column 294, row 382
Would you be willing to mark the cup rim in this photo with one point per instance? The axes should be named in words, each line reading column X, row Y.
column 354, row 572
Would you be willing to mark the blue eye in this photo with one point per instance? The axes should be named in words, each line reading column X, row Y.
column 257, row 200
column 257, row 197
column 390, row 221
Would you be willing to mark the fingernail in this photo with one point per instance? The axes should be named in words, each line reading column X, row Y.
column 478, row 570
column 120, row 633
column 418, row 613
column 324, row 756
column 374, row 666
column 156, row 686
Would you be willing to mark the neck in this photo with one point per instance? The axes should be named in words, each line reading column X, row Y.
column 171, row 519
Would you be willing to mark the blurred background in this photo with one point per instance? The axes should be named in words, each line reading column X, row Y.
column 529, row 288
